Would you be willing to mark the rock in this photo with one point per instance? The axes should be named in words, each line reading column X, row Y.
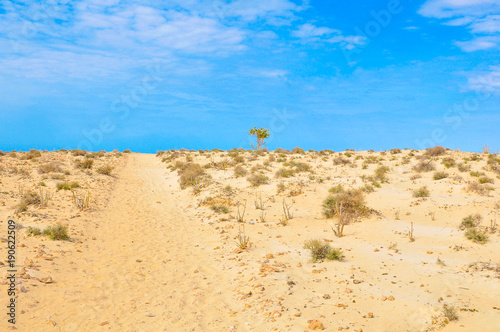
column 327, row 296
column 391, row 298
column 276, row 314
column 348, row 290
column 269, row 256
column 237, row 251
column 357, row 281
column 150, row 315
column 46, row 280
column 383, row 298
column 368, row 315
column 315, row 324
column 104, row 323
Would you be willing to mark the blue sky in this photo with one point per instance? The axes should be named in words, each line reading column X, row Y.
column 155, row 75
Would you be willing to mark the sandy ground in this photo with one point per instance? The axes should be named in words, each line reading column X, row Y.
column 150, row 256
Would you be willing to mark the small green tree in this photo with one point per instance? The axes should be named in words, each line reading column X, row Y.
column 261, row 135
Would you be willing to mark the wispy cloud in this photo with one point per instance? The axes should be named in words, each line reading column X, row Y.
column 309, row 33
column 480, row 17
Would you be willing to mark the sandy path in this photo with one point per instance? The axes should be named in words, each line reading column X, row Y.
column 139, row 274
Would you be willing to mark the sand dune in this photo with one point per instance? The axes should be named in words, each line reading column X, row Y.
column 150, row 256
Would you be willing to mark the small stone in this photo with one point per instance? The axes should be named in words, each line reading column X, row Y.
column 276, row 314
column 104, row 323
column 150, row 315
column 348, row 290
column 46, row 280
column 327, row 296
column 138, row 260
column 391, row 298
column 315, row 324
column 269, row 256
column 355, row 281
column 383, row 298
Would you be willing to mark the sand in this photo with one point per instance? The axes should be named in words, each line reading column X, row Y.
column 150, row 256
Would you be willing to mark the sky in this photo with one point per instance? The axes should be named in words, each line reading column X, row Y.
column 156, row 75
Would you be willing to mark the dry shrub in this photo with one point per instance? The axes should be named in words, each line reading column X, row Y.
column 478, row 188
column 240, row 171
column 424, row 166
column 191, row 174
column 258, row 179
column 435, row 151
column 50, row 168
column 298, row 150
column 85, row 164
column 350, row 202
column 341, row 161
column 105, row 170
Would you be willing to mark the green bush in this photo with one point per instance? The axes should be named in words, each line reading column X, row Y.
column 472, row 220
column 421, row 192
column 440, row 175
column 58, row 232
column 220, row 208
column 321, row 250
column 67, row 185
column 476, row 235
column 34, row 231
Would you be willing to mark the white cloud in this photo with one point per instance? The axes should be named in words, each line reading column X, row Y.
column 488, row 82
column 308, row 33
column 481, row 17
column 479, row 43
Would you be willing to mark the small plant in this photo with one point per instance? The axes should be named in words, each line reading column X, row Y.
column 258, row 179
column 33, row 231
column 435, row 151
column 58, row 232
column 476, row 235
column 243, row 240
column 421, row 192
column 440, row 175
column 450, row 313
column 67, row 185
column 380, row 173
column 286, row 210
column 127, row 151
column 471, row 221
column 259, row 205
column 85, row 164
column 485, row 179
column 81, row 203
column 262, row 216
column 321, row 250
column 424, row 166
column 240, row 217
column 44, row 197
column 411, row 237
column 219, row 209
column 105, row 170
column 49, row 168
column 240, row 171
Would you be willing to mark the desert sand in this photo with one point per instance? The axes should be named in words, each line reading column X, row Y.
column 150, row 252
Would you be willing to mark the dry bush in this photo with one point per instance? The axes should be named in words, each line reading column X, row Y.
column 341, row 161
column 284, row 172
column 395, row 151
column 380, row 174
column 448, row 162
column 78, row 152
column 424, row 166
column 298, row 150
column 258, row 179
column 240, row 171
column 50, row 168
column 435, row 151
column 85, row 164
column 127, row 151
column 478, row 188
column 350, row 202
column 191, row 174
column 105, row 170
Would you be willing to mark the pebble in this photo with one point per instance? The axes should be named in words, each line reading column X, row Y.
column 315, row 324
